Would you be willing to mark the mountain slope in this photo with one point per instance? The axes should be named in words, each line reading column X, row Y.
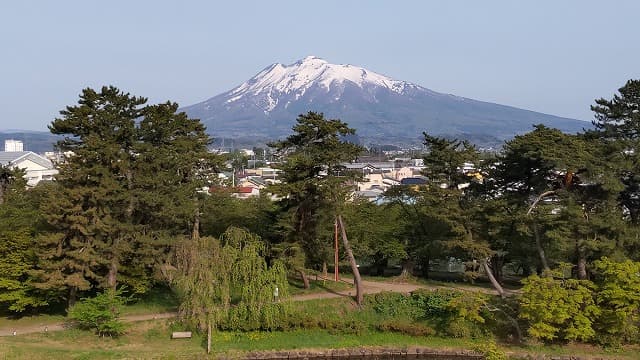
column 377, row 106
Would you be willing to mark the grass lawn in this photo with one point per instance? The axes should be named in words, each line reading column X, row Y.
column 151, row 340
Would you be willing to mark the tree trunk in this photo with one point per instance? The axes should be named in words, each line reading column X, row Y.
column 352, row 261
column 195, row 231
column 72, row 297
column 497, row 264
column 494, row 282
column 536, row 233
column 407, row 268
column 513, row 321
column 130, row 206
column 112, row 276
column 582, row 265
column 325, row 272
column 305, row 279
column 541, row 254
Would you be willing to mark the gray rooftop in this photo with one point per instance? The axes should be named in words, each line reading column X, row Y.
column 13, row 157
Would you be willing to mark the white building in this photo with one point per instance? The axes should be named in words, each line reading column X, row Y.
column 36, row 167
column 13, row 145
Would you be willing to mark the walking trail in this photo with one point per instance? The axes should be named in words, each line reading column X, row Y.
column 369, row 287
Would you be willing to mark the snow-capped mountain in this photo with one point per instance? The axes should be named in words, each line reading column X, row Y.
column 279, row 80
column 378, row 106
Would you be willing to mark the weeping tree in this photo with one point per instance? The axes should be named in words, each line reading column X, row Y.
column 226, row 281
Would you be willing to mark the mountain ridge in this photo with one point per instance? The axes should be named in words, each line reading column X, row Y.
column 378, row 106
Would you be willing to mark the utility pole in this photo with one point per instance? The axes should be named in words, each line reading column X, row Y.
column 335, row 268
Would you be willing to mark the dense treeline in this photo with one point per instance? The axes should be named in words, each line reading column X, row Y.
column 561, row 210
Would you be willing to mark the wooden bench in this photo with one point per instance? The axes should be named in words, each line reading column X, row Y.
column 181, row 335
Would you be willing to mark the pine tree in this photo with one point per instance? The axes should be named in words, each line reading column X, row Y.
column 89, row 212
column 617, row 121
column 314, row 180
column 445, row 158
column 132, row 181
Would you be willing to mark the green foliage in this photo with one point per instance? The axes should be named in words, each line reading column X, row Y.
column 445, row 158
column 491, row 351
column 220, row 211
column 618, row 299
column 18, row 233
column 607, row 311
column 454, row 313
column 314, row 180
column 406, row 327
column 375, row 232
column 100, row 313
column 559, row 309
column 130, row 186
column 449, row 312
column 227, row 284
column 392, row 305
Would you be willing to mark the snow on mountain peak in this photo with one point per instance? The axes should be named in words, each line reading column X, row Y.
column 295, row 79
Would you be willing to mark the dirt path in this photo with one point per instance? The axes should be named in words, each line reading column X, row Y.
column 58, row 326
column 369, row 287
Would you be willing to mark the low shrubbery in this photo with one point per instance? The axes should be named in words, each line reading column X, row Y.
column 605, row 310
column 445, row 312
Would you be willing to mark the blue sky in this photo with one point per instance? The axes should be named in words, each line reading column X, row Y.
column 549, row 56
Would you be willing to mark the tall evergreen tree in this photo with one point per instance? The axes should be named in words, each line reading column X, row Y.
column 617, row 122
column 132, row 180
column 314, row 179
column 313, row 176
column 90, row 210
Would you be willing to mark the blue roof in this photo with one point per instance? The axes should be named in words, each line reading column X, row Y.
column 414, row 181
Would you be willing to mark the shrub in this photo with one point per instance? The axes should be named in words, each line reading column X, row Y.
column 393, row 304
column 453, row 312
column 490, row 351
column 100, row 313
column 434, row 303
column 618, row 298
column 558, row 309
